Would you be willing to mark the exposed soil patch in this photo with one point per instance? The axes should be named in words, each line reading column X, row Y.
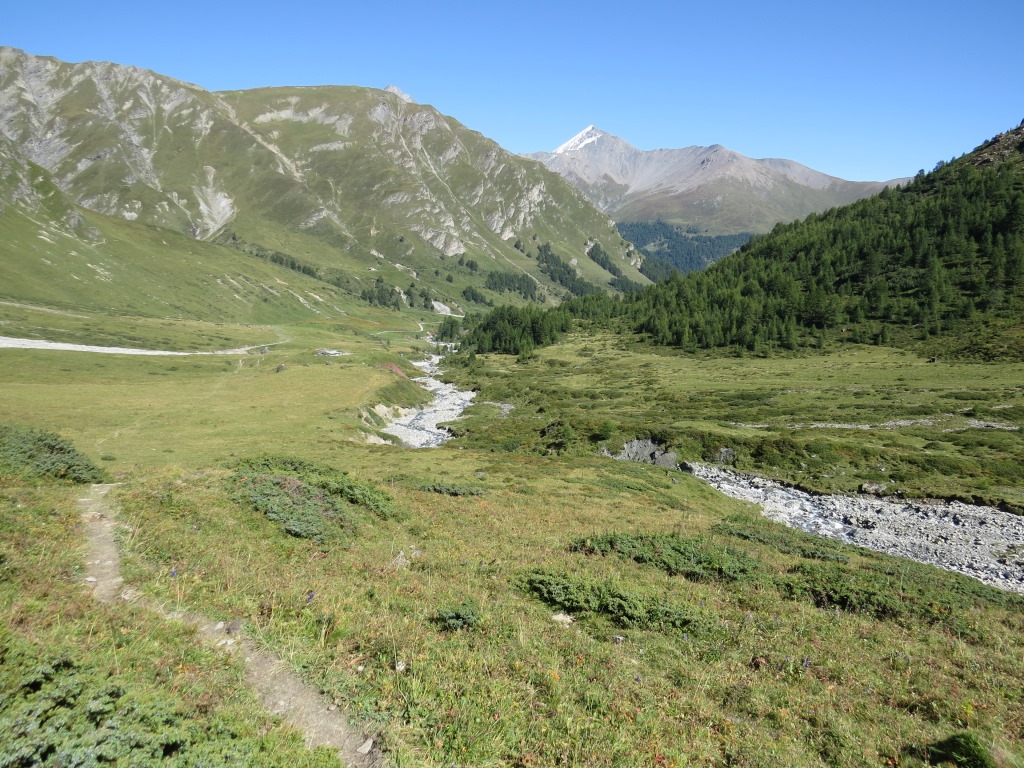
column 279, row 688
column 394, row 369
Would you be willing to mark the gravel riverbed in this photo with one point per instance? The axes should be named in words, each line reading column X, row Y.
column 982, row 542
column 418, row 427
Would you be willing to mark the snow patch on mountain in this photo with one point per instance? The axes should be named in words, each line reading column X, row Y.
column 588, row 135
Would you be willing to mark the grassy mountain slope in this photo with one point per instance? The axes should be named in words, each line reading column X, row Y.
column 671, row 247
column 59, row 255
column 348, row 181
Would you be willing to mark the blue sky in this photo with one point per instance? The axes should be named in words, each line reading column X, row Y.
column 865, row 91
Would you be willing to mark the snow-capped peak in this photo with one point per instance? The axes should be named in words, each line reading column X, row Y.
column 588, row 135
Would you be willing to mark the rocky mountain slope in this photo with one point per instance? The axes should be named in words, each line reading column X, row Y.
column 348, row 184
column 711, row 188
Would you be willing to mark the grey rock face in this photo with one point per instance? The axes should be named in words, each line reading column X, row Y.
column 697, row 184
column 646, row 451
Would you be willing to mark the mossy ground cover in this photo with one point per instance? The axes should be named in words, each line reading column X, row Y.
column 435, row 623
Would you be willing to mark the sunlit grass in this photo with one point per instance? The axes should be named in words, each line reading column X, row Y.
column 516, row 687
column 830, row 421
column 766, row 677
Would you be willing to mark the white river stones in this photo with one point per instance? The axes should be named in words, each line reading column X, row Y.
column 982, row 542
column 418, row 427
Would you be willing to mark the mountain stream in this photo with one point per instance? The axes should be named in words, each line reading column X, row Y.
column 982, row 542
column 418, row 427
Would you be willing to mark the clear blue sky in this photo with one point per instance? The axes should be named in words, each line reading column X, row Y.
column 863, row 90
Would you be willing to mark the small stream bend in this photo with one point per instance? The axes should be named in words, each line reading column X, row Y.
column 419, row 427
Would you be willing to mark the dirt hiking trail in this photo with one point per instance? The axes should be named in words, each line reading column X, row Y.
column 278, row 687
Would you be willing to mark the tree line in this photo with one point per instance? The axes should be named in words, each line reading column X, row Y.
column 672, row 248
column 945, row 249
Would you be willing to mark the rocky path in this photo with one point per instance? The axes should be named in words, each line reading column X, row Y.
column 278, row 687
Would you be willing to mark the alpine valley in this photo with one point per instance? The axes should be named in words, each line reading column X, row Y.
column 215, row 551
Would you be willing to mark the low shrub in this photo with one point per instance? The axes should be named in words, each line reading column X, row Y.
column 303, row 511
column 62, row 712
column 463, row 616
column 834, row 586
column 451, row 490
column 692, row 558
column 625, row 607
column 326, row 478
column 37, row 453
column 309, row 501
column 784, row 540
column 963, row 750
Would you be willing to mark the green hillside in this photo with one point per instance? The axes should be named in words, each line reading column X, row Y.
column 676, row 248
column 937, row 265
column 353, row 185
column 942, row 258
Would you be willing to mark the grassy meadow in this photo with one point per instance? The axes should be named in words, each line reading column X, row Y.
column 513, row 598
column 828, row 421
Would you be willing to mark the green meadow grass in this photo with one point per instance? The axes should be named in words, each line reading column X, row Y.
column 83, row 683
column 829, row 421
column 703, row 633
column 658, row 669
column 133, row 411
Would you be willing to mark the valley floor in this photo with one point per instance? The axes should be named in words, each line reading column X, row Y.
column 509, row 598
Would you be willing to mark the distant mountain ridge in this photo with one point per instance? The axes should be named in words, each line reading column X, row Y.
column 710, row 188
column 353, row 184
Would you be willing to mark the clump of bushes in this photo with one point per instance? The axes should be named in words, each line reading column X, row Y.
column 883, row 589
column 328, row 479
column 62, row 712
column 463, row 616
column 832, row 586
column 451, row 490
column 309, row 500
column 963, row 750
column 692, row 558
column 37, row 453
column 784, row 540
column 625, row 607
